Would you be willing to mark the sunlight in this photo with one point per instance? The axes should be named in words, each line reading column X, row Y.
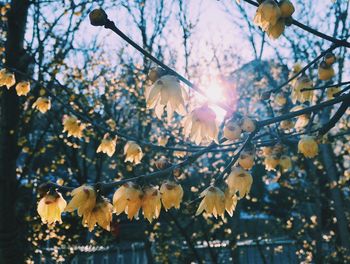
column 214, row 91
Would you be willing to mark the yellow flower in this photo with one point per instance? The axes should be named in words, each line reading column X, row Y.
column 248, row 124
column 267, row 151
column 172, row 194
column 239, row 181
column 151, row 204
column 43, row 104
column 230, row 202
column 107, row 145
column 167, row 92
column 302, row 96
column 7, row 79
column 22, row 88
column 232, row 130
column 133, row 152
column 101, row 214
column 325, row 71
column 267, row 14
column 200, row 125
column 246, row 159
column 128, row 199
column 308, row 146
column 276, row 30
column 50, row 208
column 84, row 200
column 73, row 127
column 302, row 120
column 287, row 124
column 271, row 162
column 285, row 163
column 287, row 8
column 332, row 91
column 213, row 202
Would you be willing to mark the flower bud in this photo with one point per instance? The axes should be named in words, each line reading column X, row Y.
column 155, row 73
column 329, row 58
column 275, row 31
column 308, row 146
column 248, row 124
column 98, row 17
column 232, row 130
column 325, row 71
column 287, row 8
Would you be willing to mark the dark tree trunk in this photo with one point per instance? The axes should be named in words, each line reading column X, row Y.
column 331, row 172
column 11, row 247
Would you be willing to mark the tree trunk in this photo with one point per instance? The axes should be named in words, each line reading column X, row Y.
column 331, row 172
column 11, row 247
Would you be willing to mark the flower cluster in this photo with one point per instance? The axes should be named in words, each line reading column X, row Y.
column 234, row 127
column 96, row 209
column 272, row 17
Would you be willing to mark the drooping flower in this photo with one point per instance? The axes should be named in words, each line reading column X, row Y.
column 107, row 145
column 285, row 163
column 23, row 88
column 84, row 200
column 167, row 92
column 7, row 79
column 230, row 202
column 246, row 159
column 101, row 214
column 276, row 30
column 325, row 71
column 73, row 126
column 287, row 8
column 50, row 208
column 172, row 194
column 43, row 104
column 128, row 199
column 133, row 152
column 271, row 162
column 239, row 181
column 200, row 125
column 302, row 120
column 248, row 124
column 151, row 204
column 213, row 202
column 308, row 146
column 267, row 14
column 297, row 93
column 287, row 124
column 232, row 130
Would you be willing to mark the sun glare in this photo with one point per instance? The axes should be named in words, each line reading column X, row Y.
column 214, row 92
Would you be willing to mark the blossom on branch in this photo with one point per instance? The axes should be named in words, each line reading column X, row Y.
column 239, row 181
column 50, row 208
column 107, row 145
column 201, row 126
column 172, row 194
column 84, row 200
column 151, row 204
column 213, row 202
column 43, row 104
column 133, row 152
column 72, row 126
column 167, row 92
